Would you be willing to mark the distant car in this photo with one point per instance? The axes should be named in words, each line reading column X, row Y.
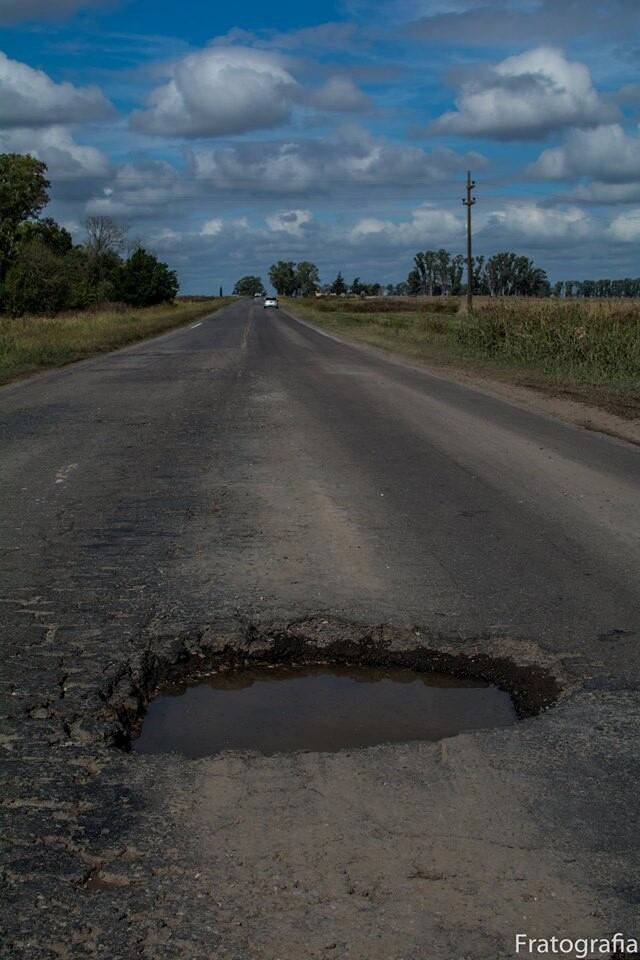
column 257, row 296
column 271, row 302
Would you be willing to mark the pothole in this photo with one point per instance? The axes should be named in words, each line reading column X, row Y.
column 366, row 684
column 321, row 708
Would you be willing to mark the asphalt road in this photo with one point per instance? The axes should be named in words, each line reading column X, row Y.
column 249, row 469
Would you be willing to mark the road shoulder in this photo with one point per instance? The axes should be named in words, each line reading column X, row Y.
column 565, row 408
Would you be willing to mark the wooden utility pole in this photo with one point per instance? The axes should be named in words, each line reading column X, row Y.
column 469, row 202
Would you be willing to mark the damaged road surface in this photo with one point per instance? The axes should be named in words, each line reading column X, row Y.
column 252, row 491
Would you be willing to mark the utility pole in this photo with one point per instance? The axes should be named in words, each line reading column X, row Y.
column 469, row 202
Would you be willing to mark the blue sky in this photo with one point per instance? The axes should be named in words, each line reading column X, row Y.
column 227, row 136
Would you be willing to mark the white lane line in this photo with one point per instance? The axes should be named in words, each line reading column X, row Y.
column 64, row 472
column 193, row 326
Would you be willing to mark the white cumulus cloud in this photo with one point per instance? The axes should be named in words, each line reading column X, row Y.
column 626, row 227
column 348, row 159
column 220, row 91
column 526, row 97
column 429, row 226
column 528, row 221
column 66, row 160
column 606, row 153
column 30, row 98
column 210, row 228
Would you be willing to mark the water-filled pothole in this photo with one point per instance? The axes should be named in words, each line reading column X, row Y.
column 280, row 709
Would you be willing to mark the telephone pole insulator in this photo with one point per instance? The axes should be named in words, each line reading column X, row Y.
column 469, row 202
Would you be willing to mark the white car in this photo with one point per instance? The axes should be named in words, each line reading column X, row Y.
column 271, row 302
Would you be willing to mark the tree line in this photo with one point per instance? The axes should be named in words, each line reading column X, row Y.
column 435, row 273
column 439, row 273
column 628, row 287
column 43, row 271
column 290, row 279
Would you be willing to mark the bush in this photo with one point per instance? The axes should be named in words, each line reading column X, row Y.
column 37, row 282
column 144, row 281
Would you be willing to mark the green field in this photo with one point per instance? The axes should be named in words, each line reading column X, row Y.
column 28, row 344
column 588, row 350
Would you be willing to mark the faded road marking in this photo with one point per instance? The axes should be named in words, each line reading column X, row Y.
column 193, row 326
column 64, row 472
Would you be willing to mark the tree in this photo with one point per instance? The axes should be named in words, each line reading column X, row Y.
column 338, row 286
column 48, row 232
column 23, row 194
column 456, row 272
column 104, row 235
column 414, row 283
column 283, row 277
column 37, row 281
column 248, row 287
column 307, row 278
column 442, row 271
column 356, row 287
column 144, row 280
column 104, row 245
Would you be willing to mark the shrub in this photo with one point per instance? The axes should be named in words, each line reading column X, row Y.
column 37, row 282
column 144, row 281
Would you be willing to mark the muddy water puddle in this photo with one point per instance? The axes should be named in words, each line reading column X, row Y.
column 317, row 708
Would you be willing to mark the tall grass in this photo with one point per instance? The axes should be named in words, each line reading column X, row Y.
column 28, row 344
column 598, row 341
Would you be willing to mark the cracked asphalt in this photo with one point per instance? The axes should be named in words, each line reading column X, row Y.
column 251, row 485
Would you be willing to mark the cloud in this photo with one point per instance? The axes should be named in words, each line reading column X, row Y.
column 626, row 227
column 606, row 153
column 526, row 97
column 339, row 93
column 325, row 36
column 429, row 226
column 29, row 98
column 350, row 159
column 140, row 190
column 220, row 91
column 630, row 93
column 602, row 193
column 12, row 11
column 495, row 23
column 210, row 228
column 527, row 221
column 289, row 221
column 74, row 169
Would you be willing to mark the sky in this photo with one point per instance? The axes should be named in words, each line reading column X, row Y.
column 229, row 136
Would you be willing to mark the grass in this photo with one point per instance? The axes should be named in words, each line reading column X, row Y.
column 28, row 344
column 586, row 350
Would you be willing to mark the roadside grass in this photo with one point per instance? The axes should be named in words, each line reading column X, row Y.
column 584, row 350
column 28, row 344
